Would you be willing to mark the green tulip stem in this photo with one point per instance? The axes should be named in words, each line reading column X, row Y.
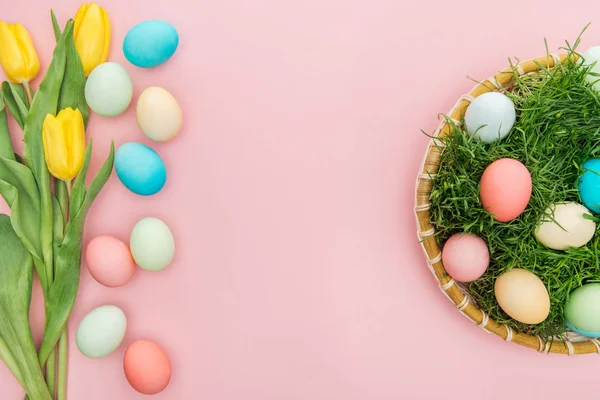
column 28, row 92
column 51, row 373
column 63, row 357
column 63, row 342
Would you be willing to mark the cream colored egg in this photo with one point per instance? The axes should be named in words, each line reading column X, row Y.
column 523, row 296
column 158, row 114
column 563, row 225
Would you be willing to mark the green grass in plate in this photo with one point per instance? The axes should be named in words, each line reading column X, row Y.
column 557, row 129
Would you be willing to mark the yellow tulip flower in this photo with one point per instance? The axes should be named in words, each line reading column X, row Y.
column 64, row 143
column 92, row 36
column 17, row 53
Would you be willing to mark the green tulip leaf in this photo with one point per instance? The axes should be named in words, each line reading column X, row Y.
column 16, row 279
column 18, row 188
column 16, row 101
column 6, row 148
column 62, row 292
column 55, row 26
column 72, row 91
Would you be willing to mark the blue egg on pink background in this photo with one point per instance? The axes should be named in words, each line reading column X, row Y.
column 140, row 168
column 150, row 43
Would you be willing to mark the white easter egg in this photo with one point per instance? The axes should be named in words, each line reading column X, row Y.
column 563, row 225
column 158, row 114
column 108, row 89
column 591, row 55
column 152, row 244
column 101, row 331
column 490, row 117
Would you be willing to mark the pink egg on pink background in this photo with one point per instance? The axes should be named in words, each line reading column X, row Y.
column 109, row 261
column 465, row 257
column 147, row 367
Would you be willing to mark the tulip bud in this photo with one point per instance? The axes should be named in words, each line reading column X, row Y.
column 17, row 53
column 64, row 143
column 92, row 36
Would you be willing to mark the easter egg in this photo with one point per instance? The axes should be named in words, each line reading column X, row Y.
column 101, row 331
column 108, row 90
column 589, row 184
column 158, row 114
column 490, row 117
column 150, row 43
column 152, row 244
column 591, row 55
column 563, row 225
column 465, row 257
column 523, row 296
column 147, row 367
column 582, row 310
column 109, row 261
column 140, row 168
column 590, row 58
column 505, row 189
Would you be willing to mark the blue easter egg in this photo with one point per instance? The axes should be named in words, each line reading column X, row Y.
column 140, row 169
column 589, row 185
column 581, row 332
column 150, row 43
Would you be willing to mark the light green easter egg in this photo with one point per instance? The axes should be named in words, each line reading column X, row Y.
column 101, row 331
column 152, row 244
column 583, row 308
column 108, row 90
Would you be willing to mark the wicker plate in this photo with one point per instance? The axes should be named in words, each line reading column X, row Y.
column 574, row 344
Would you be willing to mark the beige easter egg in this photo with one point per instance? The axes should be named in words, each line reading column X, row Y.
column 523, row 296
column 158, row 114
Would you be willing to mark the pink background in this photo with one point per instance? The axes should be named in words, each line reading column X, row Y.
column 290, row 193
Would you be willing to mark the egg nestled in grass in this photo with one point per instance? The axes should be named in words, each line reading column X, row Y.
column 523, row 296
column 582, row 310
column 490, row 117
column 505, row 189
column 589, row 184
column 565, row 225
column 465, row 257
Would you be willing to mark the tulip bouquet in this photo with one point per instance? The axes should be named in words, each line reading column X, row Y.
column 46, row 190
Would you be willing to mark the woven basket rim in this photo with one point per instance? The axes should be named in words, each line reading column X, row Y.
column 454, row 291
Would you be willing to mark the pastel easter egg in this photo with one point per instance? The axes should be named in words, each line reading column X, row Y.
column 523, row 296
column 591, row 56
column 147, row 367
column 589, row 184
column 490, row 117
column 465, row 257
column 582, row 310
column 152, row 244
column 150, row 43
column 140, row 168
column 505, row 189
column 158, row 114
column 109, row 261
column 108, row 89
column 564, row 225
column 101, row 331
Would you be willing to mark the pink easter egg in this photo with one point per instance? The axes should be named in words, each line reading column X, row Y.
column 147, row 367
column 109, row 261
column 465, row 257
